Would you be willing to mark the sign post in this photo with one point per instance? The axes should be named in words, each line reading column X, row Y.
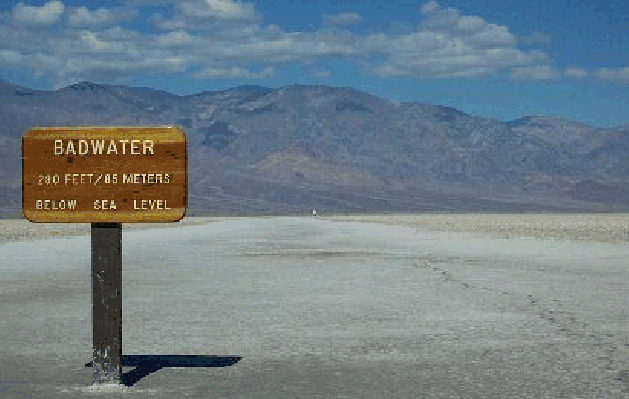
column 106, row 176
column 107, row 303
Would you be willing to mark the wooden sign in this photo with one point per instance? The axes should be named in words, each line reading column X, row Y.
column 104, row 174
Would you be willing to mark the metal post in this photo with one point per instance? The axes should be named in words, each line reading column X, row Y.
column 107, row 302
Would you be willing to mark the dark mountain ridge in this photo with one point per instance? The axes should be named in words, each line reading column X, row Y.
column 296, row 147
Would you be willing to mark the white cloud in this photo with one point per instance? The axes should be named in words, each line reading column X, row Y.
column 83, row 17
column 116, row 33
column 216, row 8
column 173, row 39
column 537, row 72
column 613, row 74
column 442, row 55
column 233, row 73
column 159, row 21
column 121, row 66
column 321, row 74
column 54, row 64
column 536, row 37
column 96, row 45
column 4, row 16
column 490, row 36
column 222, row 39
column 47, row 14
column 213, row 16
column 448, row 44
column 470, row 29
column 140, row 3
column 575, row 72
column 344, row 18
column 538, row 56
column 245, row 31
column 470, row 24
column 10, row 57
column 429, row 7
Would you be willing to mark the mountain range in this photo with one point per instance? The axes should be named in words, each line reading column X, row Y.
column 254, row 150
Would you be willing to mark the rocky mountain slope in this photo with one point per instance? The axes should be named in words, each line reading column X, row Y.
column 255, row 150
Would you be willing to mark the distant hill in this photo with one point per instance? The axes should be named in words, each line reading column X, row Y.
column 255, row 150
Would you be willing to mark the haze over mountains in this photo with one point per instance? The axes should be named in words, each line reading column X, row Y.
column 261, row 151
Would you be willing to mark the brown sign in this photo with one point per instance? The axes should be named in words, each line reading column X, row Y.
column 104, row 174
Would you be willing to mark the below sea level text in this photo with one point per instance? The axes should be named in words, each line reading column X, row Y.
column 139, row 205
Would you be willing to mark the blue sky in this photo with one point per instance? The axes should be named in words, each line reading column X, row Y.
column 500, row 59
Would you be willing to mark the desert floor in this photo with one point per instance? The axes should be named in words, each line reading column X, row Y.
column 330, row 309
column 603, row 228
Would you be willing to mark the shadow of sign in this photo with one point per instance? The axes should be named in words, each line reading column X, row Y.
column 147, row 364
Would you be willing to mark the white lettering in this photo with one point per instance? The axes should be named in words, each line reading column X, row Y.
column 83, row 145
column 134, row 147
column 104, row 204
column 74, row 177
column 112, row 147
column 150, row 204
column 145, row 178
column 99, row 145
column 49, row 204
column 70, row 148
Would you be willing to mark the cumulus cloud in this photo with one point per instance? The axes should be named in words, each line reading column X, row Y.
column 116, row 33
column 470, row 24
column 613, row 74
column 537, row 72
column 227, row 9
column 141, row 3
column 96, row 45
column 47, row 14
column 81, row 16
column 173, row 39
column 449, row 45
column 429, row 7
column 575, row 72
column 161, row 22
column 344, row 18
column 223, row 38
column 4, row 16
column 471, row 29
column 536, row 37
column 233, row 73
column 10, row 57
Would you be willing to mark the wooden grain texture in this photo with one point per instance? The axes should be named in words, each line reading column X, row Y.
column 138, row 175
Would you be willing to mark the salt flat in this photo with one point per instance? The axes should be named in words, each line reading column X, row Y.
column 22, row 229
column 605, row 228
column 610, row 228
column 325, row 308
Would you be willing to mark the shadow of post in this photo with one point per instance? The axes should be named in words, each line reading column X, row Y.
column 147, row 364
